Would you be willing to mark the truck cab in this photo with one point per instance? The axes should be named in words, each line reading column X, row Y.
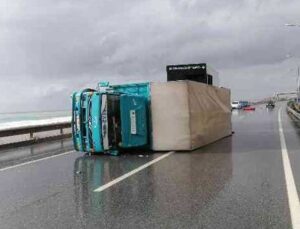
column 109, row 121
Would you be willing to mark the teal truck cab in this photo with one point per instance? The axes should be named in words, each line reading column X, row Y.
column 111, row 118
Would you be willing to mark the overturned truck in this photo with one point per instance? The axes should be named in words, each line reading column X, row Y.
column 174, row 115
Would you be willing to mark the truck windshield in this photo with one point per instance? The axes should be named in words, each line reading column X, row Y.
column 114, row 122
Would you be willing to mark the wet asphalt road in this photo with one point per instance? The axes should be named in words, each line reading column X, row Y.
column 237, row 182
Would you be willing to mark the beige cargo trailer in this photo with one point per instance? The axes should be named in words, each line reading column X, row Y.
column 186, row 115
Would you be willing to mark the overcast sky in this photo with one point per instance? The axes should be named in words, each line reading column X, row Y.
column 49, row 48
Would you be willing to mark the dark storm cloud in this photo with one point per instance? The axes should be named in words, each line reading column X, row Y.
column 49, row 48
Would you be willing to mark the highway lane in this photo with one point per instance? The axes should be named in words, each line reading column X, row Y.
column 237, row 182
column 20, row 155
column 292, row 135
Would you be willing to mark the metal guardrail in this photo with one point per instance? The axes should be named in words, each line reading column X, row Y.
column 293, row 112
column 33, row 129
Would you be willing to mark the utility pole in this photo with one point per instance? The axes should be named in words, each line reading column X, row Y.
column 298, row 85
column 295, row 25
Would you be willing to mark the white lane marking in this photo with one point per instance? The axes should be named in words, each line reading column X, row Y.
column 293, row 198
column 117, row 180
column 34, row 161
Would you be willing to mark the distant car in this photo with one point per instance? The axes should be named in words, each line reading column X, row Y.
column 239, row 104
column 244, row 104
column 236, row 105
column 270, row 104
column 249, row 108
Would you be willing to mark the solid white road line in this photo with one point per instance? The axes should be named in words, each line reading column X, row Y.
column 34, row 161
column 117, row 180
column 293, row 198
